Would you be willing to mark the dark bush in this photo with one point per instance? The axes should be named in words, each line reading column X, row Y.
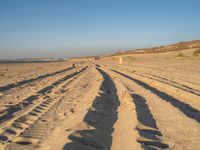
column 180, row 55
column 196, row 53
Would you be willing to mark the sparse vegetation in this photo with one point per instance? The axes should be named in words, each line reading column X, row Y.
column 196, row 53
column 180, row 55
column 129, row 58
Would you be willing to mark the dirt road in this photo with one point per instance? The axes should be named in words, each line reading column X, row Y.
column 93, row 105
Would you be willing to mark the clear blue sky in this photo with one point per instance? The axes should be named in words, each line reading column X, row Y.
column 46, row 28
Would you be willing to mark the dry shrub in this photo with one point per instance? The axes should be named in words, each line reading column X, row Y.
column 180, row 55
column 129, row 58
column 196, row 53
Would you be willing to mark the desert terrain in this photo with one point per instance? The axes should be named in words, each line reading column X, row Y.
column 150, row 101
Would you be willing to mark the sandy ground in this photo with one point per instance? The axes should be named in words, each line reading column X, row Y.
column 151, row 101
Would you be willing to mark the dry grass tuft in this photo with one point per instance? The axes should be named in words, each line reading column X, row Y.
column 180, row 55
column 196, row 53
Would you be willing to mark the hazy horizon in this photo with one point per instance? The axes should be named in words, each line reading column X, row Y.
column 52, row 28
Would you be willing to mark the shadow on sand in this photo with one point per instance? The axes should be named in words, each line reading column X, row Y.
column 147, row 129
column 99, row 120
column 183, row 107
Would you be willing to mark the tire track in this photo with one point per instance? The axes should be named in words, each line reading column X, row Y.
column 20, row 83
column 183, row 107
column 73, row 108
column 184, row 96
column 98, row 121
column 15, row 95
column 31, row 128
column 172, row 83
column 22, row 117
column 11, row 111
column 163, row 80
column 150, row 135
column 179, row 76
column 179, row 129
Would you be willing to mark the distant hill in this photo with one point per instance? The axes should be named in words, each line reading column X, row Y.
column 161, row 49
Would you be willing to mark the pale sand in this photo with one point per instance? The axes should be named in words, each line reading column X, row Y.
column 151, row 101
